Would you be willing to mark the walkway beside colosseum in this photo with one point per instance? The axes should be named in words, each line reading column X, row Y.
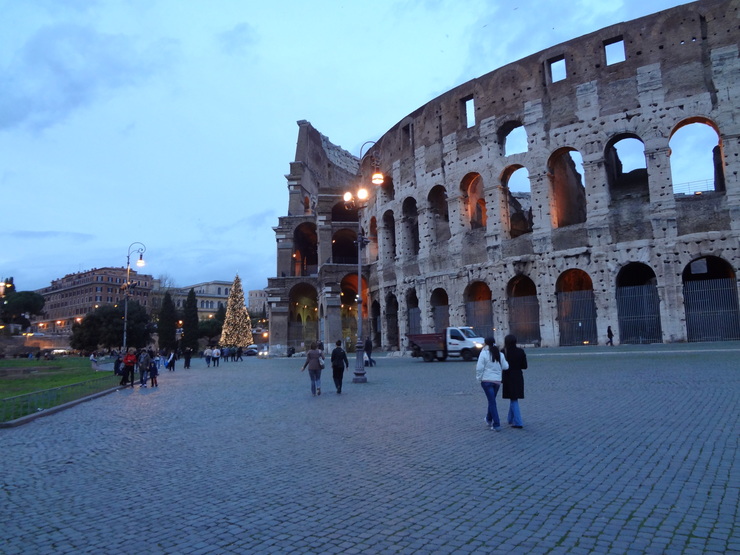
column 624, row 450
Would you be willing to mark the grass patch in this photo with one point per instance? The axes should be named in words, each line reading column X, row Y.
column 21, row 376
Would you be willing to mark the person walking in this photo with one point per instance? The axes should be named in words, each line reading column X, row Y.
column 171, row 361
column 609, row 336
column 369, row 352
column 315, row 363
column 513, row 380
column 129, row 366
column 144, row 360
column 488, row 370
column 338, row 363
column 216, row 356
column 239, row 353
column 208, row 354
column 187, row 355
column 153, row 372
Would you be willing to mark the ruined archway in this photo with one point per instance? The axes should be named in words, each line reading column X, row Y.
column 391, row 322
column 479, row 308
column 413, row 312
column 411, row 225
column 305, row 250
column 638, row 305
column 302, row 316
column 439, row 212
column 439, row 303
column 710, row 300
column 576, row 308
column 344, row 247
column 568, row 194
column 348, row 307
column 474, row 200
column 519, row 200
column 388, row 244
column 696, row 157
column 524, row 310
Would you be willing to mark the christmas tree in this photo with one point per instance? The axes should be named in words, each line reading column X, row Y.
column 237, row 330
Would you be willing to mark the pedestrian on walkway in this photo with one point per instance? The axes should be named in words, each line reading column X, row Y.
column 129, row 367
column 369, row 352
column 609, row 336
column 239, row 353
column 171, row 361
column 144, row 360
column 513, row 380
column 187, row 356
column 153, row 373
column 338, row 363
column 488, row 371
column 314, row 362
column 208, row 354
column 216, row 356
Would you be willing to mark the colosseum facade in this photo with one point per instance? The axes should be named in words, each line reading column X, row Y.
column 580, row 244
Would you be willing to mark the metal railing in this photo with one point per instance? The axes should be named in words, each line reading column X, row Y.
column 23, row 405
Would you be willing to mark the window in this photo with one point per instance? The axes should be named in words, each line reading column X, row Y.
column 556, row 67
column 468, row 111
column 614, row 50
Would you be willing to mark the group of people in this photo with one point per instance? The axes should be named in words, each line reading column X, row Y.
column 315, row 363
column 497, row 368
column 147, row 362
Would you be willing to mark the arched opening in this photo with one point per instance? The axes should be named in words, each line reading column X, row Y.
column 387, row 190
column 389, row 236
column 710, row 300
column 519, row 200
column 576, row 308
column 440, row 310
column 348, row 296
column 474, row 200
column 305, row 250
column 479, row 309
column 375, row 325
column 343, row 212
column 439, row 211
column 344, row 247
column 568, row 194
column 626, row 169
column 638, row 305
column 411, row 224
column 391, row 322
column 696, row 158
column 413, row 312
column 513, row 136
column 524, row 310
column 302, row 316
column 373, row 238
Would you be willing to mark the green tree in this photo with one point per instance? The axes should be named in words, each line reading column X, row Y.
column 210, row 329
column 220, row 315
column 190, row 322
column 237, row 329
column 103, row 327
column 16, row 305
column 167, row 325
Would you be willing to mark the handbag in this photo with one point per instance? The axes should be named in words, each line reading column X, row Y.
column 321, row 363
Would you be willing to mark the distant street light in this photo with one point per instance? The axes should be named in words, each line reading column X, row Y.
column 140, row 263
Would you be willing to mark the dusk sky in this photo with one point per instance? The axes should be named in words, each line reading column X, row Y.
column 173, row 122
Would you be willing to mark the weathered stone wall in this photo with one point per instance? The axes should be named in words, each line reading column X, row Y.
column 681, row 66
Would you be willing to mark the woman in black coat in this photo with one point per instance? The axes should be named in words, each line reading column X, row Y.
column 513, row 380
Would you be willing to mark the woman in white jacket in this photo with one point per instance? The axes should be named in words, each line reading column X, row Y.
column 491, row 362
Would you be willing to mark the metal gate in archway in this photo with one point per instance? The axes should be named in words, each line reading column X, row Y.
column 577, row 318
column 712, row 312
column 638, row 308
column 301, row 334
column 479, row 316
column 524, row 319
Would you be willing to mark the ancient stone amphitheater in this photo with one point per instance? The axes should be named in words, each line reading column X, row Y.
column 545, row 199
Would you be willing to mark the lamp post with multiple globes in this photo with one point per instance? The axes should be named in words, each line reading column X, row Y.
column 358, row 200
column 141, row 249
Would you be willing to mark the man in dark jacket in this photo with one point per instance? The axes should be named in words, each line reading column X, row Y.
column 338, row 363
column 369, row 352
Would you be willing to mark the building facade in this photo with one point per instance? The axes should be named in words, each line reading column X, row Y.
column 69, row 299
column 583, row 245
column 211, row 295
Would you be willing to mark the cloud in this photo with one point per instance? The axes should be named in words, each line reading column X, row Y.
column 63, row 68
column 238, row 39
column 28, row 235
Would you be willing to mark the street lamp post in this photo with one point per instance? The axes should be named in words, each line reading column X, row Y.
column 141, row 249
column 359, row 201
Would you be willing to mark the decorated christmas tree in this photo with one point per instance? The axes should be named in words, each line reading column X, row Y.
column 237, row 330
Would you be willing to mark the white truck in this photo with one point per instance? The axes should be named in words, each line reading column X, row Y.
column 456, row 341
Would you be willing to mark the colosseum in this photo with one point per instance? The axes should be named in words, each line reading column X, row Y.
column 508, row 205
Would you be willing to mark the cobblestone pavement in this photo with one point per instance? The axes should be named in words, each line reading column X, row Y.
column 624, row 450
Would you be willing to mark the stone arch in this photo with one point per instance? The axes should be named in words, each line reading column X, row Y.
column 344, row 212
column 348, row 295
column 479, row 308
column 519, row 203
column 638, row 305
column 411, row 224
column 303, row 306
column 439, row 213
column 626, row 150
column 568, row 194
column 696, row 150
column 375, row 324
column 710, row 300
column 524, row 309
column 373, row 238
column 440, row 305
column 576, row 308
column 305, row 250
column 413, row 312
column 512, row 136
column 387, row 190
column 389, row 235
column 391, row 322
column 344, row 246
column 471, row 189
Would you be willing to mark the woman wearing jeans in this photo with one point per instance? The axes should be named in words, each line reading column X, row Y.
column 315, row 362
column 488, row 371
